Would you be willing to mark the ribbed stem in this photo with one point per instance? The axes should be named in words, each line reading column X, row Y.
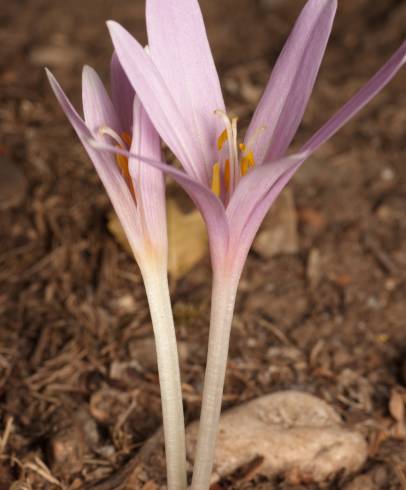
column 222, row 309
column 156, row 286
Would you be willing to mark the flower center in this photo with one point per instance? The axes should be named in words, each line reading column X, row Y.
column 234, row 163
column 123, row 141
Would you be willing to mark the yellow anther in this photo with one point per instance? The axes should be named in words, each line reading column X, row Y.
column 244, row 166
column 215, row 180
column 122, row 164
column 126, row 137
column 250, row 157
column 222, row 139
column 242, row 147
column 247, row 162
column 227, row 175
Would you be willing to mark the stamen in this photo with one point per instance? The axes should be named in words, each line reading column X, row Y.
column 227, row 175
column 222, row 139
column 227, row 134
column 123, row 141
column 250, row 158
column 231, row 131
column 244, row 166
column 126, row 137
column 215, row 181
column 234, row 121
column 122, row 162
column 110, row 132
column 234, row 167
column 247, row 162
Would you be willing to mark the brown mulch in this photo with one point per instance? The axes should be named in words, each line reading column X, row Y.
column 79, row 396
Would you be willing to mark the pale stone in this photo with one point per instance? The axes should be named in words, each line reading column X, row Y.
column 297, row 435
column 278, row 233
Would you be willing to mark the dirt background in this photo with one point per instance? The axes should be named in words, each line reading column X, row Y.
column 78, row 386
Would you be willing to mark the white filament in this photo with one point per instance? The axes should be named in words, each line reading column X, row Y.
column 106, row 130
column 231, row 128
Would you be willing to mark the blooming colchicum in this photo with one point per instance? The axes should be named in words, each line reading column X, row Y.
column 232, row 184
column 137, row 193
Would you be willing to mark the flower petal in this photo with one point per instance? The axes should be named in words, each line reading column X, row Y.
column 209, row 205
column 157, row 100
column 116, row 188
column 122, row 93
column 278, row 179
column 252, row 189
column 360, row 99
column 285, row 98
column 148, row 182
column 180, row 50
column 97, row 106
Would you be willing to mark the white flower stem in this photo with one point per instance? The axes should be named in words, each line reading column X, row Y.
column 156, row 286
column 222, row 309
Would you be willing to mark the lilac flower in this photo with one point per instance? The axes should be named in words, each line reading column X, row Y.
column 232, row 184
column 137, row 193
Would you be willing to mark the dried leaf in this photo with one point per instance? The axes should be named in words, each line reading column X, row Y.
column 314, row 267
column 187, row 239
column 396, row 406
column 278, row 234
column 397, row 410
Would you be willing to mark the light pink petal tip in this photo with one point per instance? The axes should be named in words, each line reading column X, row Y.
column 157, row 100
column 180, row 50
column 97, row 106
column 284, row 101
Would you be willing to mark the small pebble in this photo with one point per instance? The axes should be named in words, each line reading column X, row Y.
column 13, row 184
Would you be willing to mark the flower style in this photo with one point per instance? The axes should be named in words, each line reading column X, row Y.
column 232, row 184
column 137, row 193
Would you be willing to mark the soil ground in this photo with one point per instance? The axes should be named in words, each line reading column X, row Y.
column 79, row 390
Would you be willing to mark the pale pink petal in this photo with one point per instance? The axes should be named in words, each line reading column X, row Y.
column 252, row 189
column 116, row 188
column 157, row 100
column 285, row 98
column 209, row 205
column 97, row 106
column 122, row 93
column 148, row 182
column 360, row 99
column 281, row 172
column 180, row 50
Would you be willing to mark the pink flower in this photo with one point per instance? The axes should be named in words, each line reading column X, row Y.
column 137, row 193
column 179, row 87
column 232, row 184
